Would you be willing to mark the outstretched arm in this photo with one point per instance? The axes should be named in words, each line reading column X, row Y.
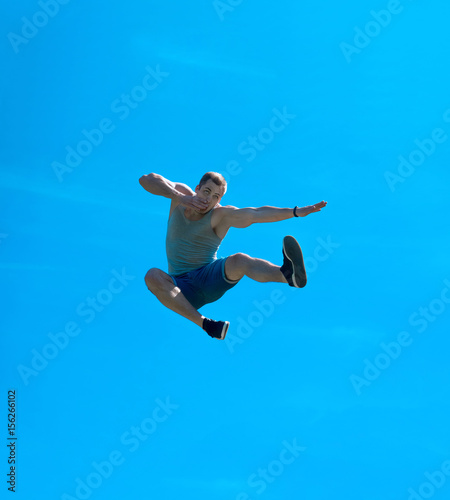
column 309, row 209
column 244, row 217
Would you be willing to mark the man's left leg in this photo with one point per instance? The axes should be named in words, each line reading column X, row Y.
column 240, row 264
column 291, row 272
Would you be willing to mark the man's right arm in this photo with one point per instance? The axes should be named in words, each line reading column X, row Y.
column 176, row 191
column 158, row 185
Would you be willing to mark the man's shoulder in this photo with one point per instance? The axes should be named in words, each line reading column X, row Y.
column 221, row 219
column 223, row 209
column 183, row 188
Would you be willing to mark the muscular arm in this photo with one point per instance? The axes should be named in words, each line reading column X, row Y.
column 244, row 217
column 179, row 193
column 158, row 185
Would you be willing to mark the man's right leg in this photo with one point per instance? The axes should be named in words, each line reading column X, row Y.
column 162, row 286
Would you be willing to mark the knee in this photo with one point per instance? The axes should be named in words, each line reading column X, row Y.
column 153, row 278
column 240, row 260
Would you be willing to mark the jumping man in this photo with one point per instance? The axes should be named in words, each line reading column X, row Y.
column 196, row 227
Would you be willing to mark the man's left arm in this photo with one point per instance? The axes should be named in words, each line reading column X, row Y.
column 244, row 217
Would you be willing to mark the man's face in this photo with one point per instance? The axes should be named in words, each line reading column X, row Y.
column 210, row 192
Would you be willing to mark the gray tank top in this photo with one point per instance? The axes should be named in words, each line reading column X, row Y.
column 190, row 244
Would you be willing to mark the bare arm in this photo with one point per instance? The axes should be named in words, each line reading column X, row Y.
column 179, row 193
column 158, row 185
column 244, row 217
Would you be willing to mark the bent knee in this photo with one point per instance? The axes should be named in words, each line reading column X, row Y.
column 155, row 277
column 236, row 266
column 239, row 260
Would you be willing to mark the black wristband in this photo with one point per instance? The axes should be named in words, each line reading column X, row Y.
column 295, row 212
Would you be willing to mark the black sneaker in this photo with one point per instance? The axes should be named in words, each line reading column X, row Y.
column 216, row 329
column 293, row 267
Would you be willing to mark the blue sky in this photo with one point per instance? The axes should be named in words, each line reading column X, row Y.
column 339, row 390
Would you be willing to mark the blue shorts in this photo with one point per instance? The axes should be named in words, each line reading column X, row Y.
column 205, row 284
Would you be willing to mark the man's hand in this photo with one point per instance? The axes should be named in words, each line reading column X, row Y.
column 193, row 202
column 303, row 212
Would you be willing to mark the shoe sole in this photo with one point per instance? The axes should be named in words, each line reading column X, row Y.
column 293, row 252
column 224, row 330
